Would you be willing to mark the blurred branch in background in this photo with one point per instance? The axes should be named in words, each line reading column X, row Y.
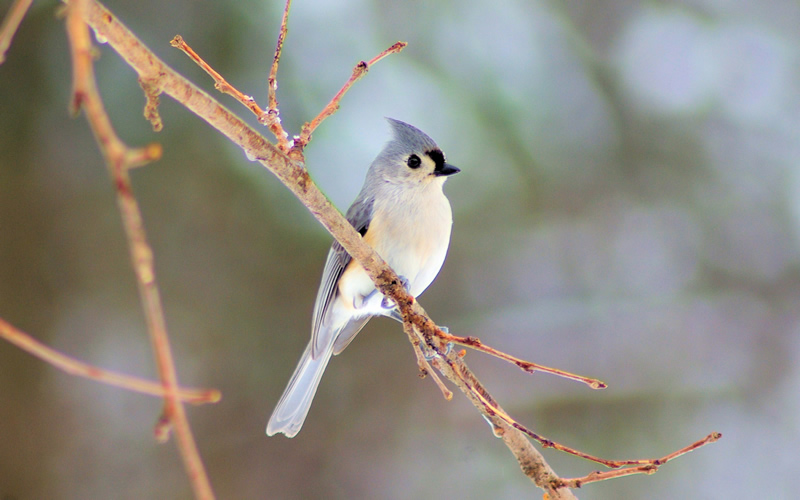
column 120, row 159
column 10, row 24
column 80, row 369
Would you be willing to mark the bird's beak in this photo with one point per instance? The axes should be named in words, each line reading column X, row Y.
column 446, row 169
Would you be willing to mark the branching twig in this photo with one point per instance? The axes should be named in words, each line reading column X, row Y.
column 490, row 407
column 80, row 369
column 456, row 370
column 120, row 159
column 10, row 24
column 422, row 361
column 527, row 366
column 269, row 117
column 359, row 71
column 530, row 460
column 648, row 468
column 273, row 120
column 219, row 82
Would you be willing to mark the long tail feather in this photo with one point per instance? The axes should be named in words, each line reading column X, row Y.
column 291, row 411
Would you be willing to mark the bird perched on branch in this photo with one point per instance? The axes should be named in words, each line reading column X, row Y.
column 403, row 214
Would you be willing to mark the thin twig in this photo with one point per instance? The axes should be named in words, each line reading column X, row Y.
column 596, row 476
column 649, row 468
column 435, row 340
column 273, row 120
column 272, row 82
column 269, row 117
column 10, row 24
column 78, row 368
column 359, row 71
column 119, row 160
column 424, row 366
column 475, row 343
column 531, row 462
column 219, row 82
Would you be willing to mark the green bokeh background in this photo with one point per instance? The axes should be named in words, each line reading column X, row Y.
column 628, row 209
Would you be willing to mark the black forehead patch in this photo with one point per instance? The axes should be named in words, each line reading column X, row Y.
column 437, row 156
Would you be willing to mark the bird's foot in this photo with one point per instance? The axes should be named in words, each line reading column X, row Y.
column 430, row 354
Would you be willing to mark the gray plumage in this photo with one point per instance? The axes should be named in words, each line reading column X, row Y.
column 403, row 214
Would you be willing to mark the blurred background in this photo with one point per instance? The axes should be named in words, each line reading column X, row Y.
column 629, row 209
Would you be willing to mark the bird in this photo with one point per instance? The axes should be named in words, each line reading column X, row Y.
column 403, row 214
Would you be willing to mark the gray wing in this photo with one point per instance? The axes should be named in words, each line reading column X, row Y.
column 348, row 333
column 359, row 216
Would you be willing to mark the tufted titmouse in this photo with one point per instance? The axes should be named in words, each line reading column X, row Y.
column 403, row 214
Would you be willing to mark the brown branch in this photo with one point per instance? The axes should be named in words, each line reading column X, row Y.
column 290, row 171
column 647, row 463
column 649, row 468
column 456, row 370
column 422, row 361
column 151, row 92
column 273, row 120
column 10, row 24
column 219, row 82
column 272, row 82
column 119, row 160
column 78, row 368
column 527, row 366
column 359, row 71
column 435, row 340
column 269, row 117
column 531, row 462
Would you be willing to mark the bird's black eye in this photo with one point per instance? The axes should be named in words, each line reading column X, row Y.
column 414, row 161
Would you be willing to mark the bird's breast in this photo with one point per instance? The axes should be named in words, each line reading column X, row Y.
column 412, row 234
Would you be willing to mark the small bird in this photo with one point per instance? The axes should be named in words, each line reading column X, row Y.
column 403, row 214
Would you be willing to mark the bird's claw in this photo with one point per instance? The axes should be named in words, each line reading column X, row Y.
column 433, row 354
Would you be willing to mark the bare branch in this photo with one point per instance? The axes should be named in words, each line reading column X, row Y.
column 527, row 366
column 359, row 71
column 74, row 367
column 533, row 464
column 272, row 83
column 269, row 117
column 435, row 339
column 119, row 160
column 10, row 24
column 273, row 120
column 219, row 82
column 422, row 361
column 649, row 468
column 530, row 460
